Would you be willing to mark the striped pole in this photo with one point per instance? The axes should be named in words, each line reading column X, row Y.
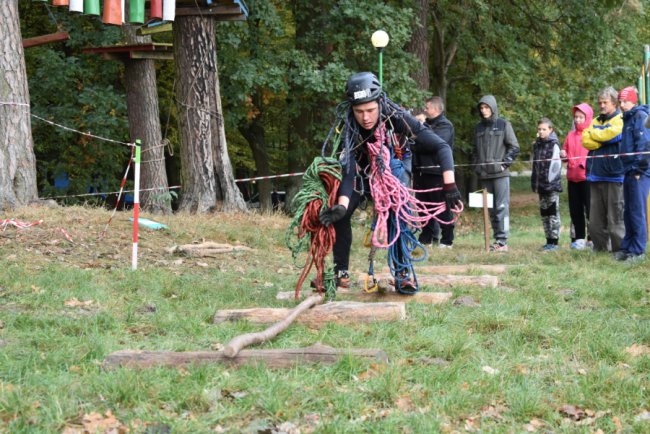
column 136, row 206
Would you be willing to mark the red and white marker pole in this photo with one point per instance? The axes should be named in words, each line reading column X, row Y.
column 136, row 206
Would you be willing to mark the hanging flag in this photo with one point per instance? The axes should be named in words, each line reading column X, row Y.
column 169, row 10
column 136, row 11
column 76, row 5
column 112, row 12
column 91, row 7
column 155, row 9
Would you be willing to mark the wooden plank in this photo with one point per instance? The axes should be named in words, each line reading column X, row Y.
column 443, row 280
column 277, row 358
column 342, row 312
column 346, row 294
column 211, row 11
column 155, row 55
column 45, row 39
column 454, row 269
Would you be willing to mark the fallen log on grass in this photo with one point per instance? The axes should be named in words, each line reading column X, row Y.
column 342, row 312
column 454, row 269
column 207, row 248
column 238, row 342
column 359, row 295
column 277, row 358
column 446, row 280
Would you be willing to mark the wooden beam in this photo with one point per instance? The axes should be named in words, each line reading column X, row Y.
column 454, row 269
column 155, row 55
column 211, row 11
column 279, row 358
column 358, row 295
column 443, row 280
column 342, row 312
column 45, row 39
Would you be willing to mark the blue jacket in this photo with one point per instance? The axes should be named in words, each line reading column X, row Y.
column 636, row 138
column 603, row 137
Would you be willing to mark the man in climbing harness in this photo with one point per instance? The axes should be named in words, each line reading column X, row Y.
column 370, row 163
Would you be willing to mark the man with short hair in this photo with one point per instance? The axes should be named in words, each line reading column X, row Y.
column 605, row 174
column 427, row 175
column 369, row 116
column 636, row 184
column 495, row 148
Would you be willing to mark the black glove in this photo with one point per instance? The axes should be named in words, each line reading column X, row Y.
column 506, row 164
column 332, row 215
column 452, row 196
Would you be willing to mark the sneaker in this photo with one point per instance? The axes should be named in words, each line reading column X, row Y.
column 499, row 247
column 622, row 255
column 579, row 244
column 343, row 279
column 445, row 246
column 633, row 259
column 550, row 247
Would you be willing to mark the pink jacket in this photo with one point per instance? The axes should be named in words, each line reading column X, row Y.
column 577, row 167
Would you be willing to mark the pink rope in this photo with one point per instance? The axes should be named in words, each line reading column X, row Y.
column 389, row 194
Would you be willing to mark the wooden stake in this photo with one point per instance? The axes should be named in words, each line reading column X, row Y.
column 242, row 341
column 486, row 220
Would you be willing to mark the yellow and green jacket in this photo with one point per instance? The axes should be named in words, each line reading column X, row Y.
column 603, row 137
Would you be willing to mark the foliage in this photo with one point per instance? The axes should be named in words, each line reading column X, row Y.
column 78, row 91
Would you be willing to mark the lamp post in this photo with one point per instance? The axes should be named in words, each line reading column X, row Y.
column 379, row 40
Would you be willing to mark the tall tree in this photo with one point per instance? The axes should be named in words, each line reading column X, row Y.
column 419, row 44
column 198, row 104
column 144, row 124
column 17, row 161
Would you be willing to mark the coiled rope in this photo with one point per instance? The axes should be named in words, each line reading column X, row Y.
column 320, row 185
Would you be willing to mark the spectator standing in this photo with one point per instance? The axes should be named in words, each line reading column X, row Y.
column 636, row 183
column 605, row 174
column 495, row 148
column 577, row 185
column 428, row 175
column 546, row 181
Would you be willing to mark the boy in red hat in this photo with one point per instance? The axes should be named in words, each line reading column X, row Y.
column 637, row 176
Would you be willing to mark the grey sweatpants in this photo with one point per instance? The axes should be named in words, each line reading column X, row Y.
column 500, row 212
column 606, row 225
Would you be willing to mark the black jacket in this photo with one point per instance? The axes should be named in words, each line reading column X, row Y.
column 547, row 166
column 423, row 140
column 428, row 162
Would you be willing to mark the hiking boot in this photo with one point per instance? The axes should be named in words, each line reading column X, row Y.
column 622, row 255
column 343, row 279
column 550, row 247
column 499, row 247
column 579, row 244
column 407, row 286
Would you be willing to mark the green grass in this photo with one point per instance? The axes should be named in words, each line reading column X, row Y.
column 556, row 330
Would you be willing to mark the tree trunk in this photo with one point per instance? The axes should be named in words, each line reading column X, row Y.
column 195, row 67
column 419, row 44
column 17, row 160
column 227, row 190
column 254, row 134
column 144, row 124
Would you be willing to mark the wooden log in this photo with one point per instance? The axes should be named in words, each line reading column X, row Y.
column 458, row 269
column 443, row 280
column 207, row 248
column 346, row 294
column 45, row 39
column 342, row 312
column 277, row 358
column 242, row 341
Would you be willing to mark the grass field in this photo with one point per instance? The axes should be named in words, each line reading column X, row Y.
column 562, row 345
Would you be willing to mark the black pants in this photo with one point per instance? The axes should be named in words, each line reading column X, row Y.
column 343, row 241
column 579, row 208
column 432, row 230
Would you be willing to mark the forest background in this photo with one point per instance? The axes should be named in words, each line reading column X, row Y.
column 283, row 70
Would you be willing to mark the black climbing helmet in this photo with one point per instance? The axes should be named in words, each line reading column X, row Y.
column 362, row 87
